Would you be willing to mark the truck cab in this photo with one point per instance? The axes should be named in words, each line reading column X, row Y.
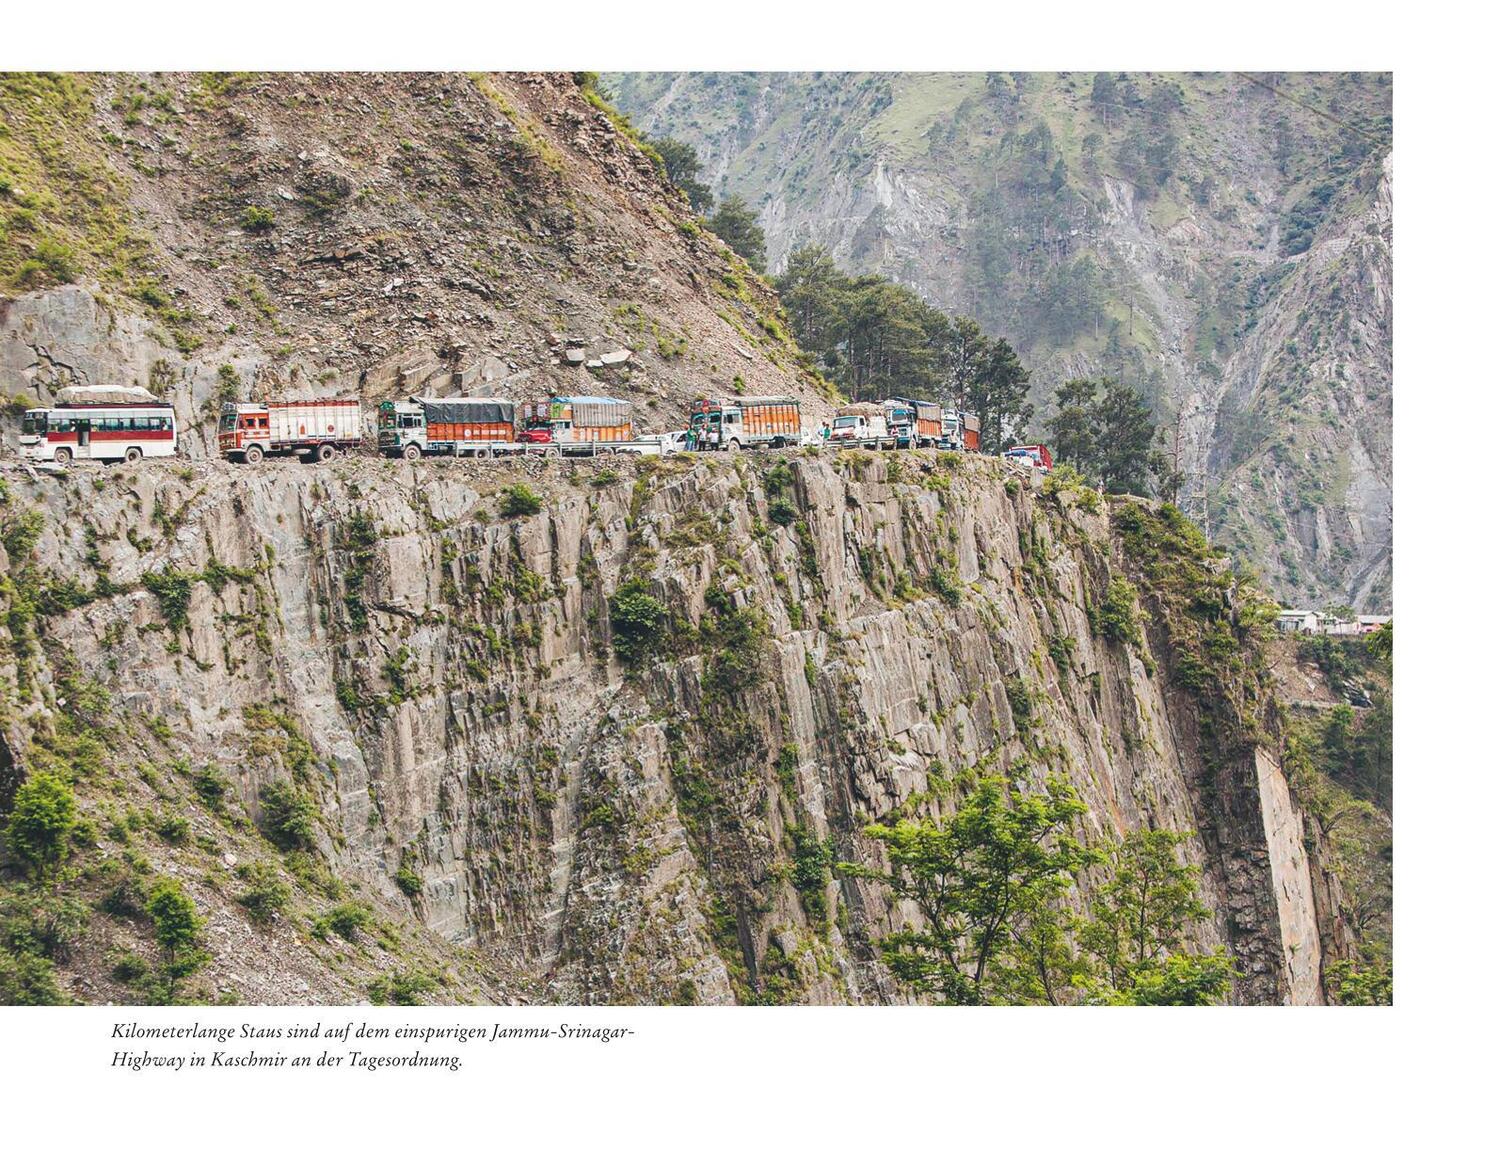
column 861, row 429
column 399, row 426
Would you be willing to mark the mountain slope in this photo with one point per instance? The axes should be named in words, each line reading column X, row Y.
column 357, row 233
column 1221, row 240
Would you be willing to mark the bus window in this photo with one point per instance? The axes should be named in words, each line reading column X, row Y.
column 35, row 422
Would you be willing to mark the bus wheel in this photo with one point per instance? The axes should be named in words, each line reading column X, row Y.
column 326, row 453
column 412, row 453
column 62, row 455
column 253, row 455
column 133, row 454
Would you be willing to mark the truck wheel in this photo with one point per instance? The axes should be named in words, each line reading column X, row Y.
column 253, row 454
column 483, row 452
column 133, row 454
column 326, row 453
column 734, row 445
column 412, row 453
column 62, row 455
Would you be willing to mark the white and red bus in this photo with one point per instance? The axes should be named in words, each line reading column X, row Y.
column 100, row 433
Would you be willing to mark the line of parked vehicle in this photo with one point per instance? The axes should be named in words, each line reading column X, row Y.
column 111, row 422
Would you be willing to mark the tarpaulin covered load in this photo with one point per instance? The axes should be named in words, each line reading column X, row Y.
column 467, row 410
column 106, row 395
column 585, row 419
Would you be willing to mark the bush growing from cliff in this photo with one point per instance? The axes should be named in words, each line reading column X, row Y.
column 1116, row 617
column 178, row 930
column 408, row 881
column 265, row 892
column 638, row 622
column 811, row 860
column 173, row 590
column 944, row 582
column 28, row 979
column 403, row 988
column 1022, row 705
column 288, row 817
column 1140, row 917
column 258, row 219
column 1352, row 984
column 348, row 919
column 41, row 818
column 995, row 870
column 20, row 533
column 519, row 500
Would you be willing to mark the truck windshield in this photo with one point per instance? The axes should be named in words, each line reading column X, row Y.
column 228, row 421
column 846, row 421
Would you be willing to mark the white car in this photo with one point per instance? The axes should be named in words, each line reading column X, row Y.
column 672, row 442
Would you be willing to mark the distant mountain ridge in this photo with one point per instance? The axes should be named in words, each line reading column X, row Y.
column 1222, row 240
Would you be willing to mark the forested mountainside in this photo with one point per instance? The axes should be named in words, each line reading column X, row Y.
column 223, row 236
column 1222, row 241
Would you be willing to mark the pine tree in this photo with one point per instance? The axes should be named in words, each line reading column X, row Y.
column 683, row 167
column 1124, row 437
column 1073, row 428
column 734, row 223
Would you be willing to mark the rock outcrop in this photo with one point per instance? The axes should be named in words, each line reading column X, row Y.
column 534, row 808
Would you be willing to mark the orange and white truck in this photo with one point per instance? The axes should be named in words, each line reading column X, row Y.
column 314, row 430
column 735, row 423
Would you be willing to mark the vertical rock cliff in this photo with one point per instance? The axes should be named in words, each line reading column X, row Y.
column 533, row 798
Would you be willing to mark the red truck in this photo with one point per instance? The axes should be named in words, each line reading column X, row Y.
column 1038, row 456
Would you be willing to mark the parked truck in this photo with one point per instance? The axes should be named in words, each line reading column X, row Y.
column 926, row 421
column 1038, row 457
column 574, row 420
column 735, row 423
column 315, row 430
column 900, row 422
column 475, row 427
column 862, row 424
column 970, row 423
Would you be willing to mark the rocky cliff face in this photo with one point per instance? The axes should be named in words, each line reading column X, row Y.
column 526, row 816
column 1221, row 240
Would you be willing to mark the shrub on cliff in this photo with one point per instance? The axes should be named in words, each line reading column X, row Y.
column 289, row 816
column 638, row 621
column 992, row 882
column 178, row 930
column 265, row 893
column 1116, row 619
column 519, row 500
column 41, row 818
